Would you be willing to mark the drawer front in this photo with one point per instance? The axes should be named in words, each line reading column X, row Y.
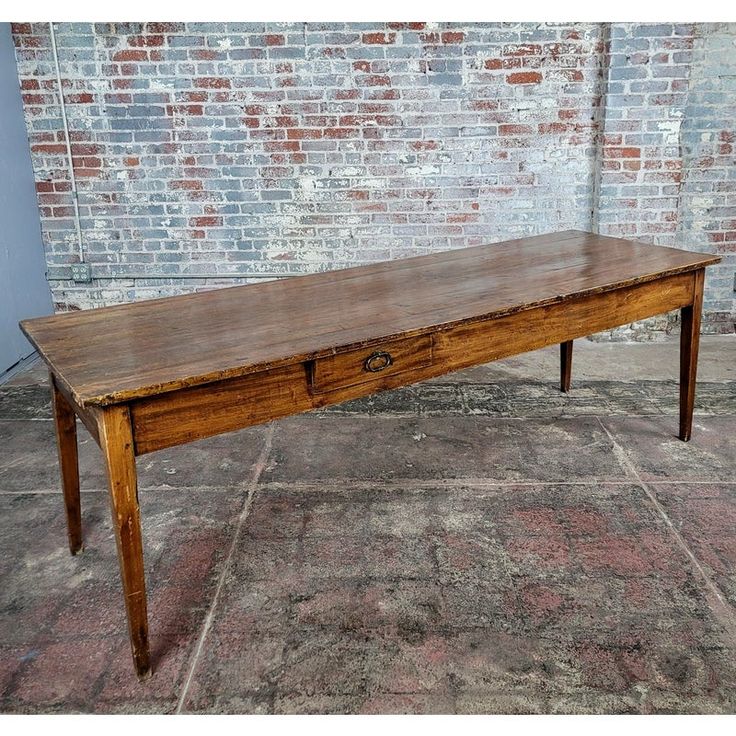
column 369, row 365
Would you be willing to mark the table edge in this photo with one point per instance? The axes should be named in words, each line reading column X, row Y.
column 86, row 400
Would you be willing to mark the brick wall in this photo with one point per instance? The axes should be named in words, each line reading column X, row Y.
column 214, row 154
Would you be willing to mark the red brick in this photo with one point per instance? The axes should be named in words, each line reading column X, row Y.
column 572, row 75
column 524, row 78
column 212, row 82
column 29, row 42
column 493, row 64
column 146, row 41
column 194, row 97
column 204, row 54
column 377, row 80
column 281, row 146
column 274, row 40
column 424, row 145
column 36, row 99
column 184, row 109
column 165, row 27
column 49, row 148
column 621, row 152
column 185, row 184
column 484, row 105
column 555, row 128
column 453, row 37
column 379, row 38
column 407, row 26
column 462, row 217
column 515, row 129
column 131, row 55
column 20, row 28
column 79, row 98
column 205, row 221
column 303, row 133
column 339, row 132
column 86, row 162
column 85, row 149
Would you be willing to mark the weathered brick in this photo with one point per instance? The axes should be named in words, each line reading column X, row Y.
column 379, row 38
column 524, row 78
column 213, row 82
column 289, row 148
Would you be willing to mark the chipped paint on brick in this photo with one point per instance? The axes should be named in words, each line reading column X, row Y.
column 421, row 136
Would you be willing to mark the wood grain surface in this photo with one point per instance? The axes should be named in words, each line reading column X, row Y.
column 177, row 417
column 116, row 354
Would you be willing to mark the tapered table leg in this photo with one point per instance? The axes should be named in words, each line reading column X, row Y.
column 689, row 343
column 66, row 441
column 116, row 440
column 565, row 365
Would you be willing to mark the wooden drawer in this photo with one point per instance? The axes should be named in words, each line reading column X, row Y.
column 369, row 365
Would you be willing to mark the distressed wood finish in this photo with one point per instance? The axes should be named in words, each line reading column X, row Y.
column 106, row 356
column 174, row 418
column 146, row 376
column 350, row 368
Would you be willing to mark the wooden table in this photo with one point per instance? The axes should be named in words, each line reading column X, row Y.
column 158, row 373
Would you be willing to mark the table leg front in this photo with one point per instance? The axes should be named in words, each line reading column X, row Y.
column 689, row 343
column 116, row 440
column 65, row 421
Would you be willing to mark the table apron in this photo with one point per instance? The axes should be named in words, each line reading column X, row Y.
column 189, row 414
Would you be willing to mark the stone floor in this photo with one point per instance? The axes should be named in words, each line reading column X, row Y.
column 475, row 544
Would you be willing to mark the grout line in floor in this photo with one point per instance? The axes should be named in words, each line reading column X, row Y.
column 252, row 486
column 719, row 606
column 416, row 484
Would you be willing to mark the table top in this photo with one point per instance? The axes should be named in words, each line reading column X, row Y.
column 116, row 354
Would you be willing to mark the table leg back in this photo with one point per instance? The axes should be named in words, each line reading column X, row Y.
column 66, row 442
column 689, row 343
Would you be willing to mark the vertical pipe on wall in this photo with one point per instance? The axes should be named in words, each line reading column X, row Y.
column 72, row 177
column 600, row 121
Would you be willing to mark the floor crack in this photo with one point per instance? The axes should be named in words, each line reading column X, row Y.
column 720, row 607
column 251, row 485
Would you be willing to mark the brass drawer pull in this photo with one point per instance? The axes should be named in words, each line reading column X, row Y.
column 378, row 361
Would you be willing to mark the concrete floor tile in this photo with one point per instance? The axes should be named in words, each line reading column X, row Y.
column 52, row 603
column 29, row 460
column 496, row 614
column 652, row 446
column 327, row 447
column 416, row 552
column 705, row 515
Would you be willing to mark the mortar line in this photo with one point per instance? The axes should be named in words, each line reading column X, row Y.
column 719, row 607
column 252, row 486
